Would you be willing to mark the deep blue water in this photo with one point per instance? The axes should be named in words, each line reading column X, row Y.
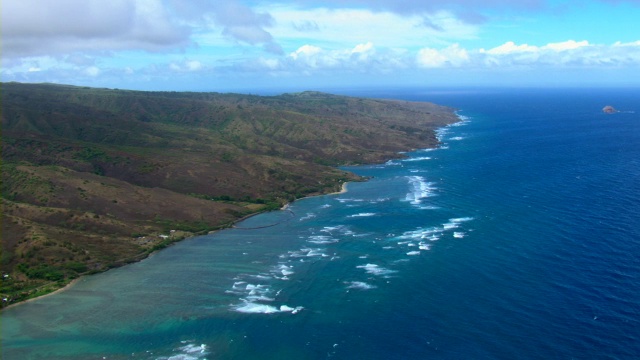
column 518, row 238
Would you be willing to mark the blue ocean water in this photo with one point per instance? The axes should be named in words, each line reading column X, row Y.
column 517, row 238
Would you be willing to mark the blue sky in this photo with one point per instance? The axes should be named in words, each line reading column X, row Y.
column 254, row 46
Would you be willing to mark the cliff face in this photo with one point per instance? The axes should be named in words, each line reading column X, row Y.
column 93, row 178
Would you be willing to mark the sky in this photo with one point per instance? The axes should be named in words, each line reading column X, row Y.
column 253, row 45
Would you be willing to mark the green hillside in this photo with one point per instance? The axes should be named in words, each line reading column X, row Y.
column 96, row 178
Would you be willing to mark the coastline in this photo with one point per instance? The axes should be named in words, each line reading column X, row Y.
column 343, row 189
column 64, row 288
column 67, row 286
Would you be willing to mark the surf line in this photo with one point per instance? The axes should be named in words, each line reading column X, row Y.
column 289, row 211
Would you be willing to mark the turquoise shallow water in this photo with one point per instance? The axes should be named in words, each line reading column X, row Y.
column 516, row 239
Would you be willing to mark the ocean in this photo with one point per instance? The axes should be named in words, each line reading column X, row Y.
column 517, row 238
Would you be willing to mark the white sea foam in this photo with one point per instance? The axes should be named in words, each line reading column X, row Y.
column 455, row 223
column 286, row 308
column 461, row 220
column 259, row 298
column 374, row 269
column 252, row 287
column 429, row 207
column 419, row 189
column 362, row 235
column 306, row 252
column 422, row 158
column 457, row 138
column 261, row 277
column 413, row 253
column 450, row 225
column 458, row 235
column 188, row 352
column 249, row 307
column 348, row 200
column 431, row 234
column 316, row 252
column 239, row 285
column 340, row 229
column 441, row 133
column 464, row 120
column 332, row 228
column 362, row 215
column 250, row 293
column 256, row 308
column 283, row 269
column 322, row 239
column 360, row 285
column 286, row 272
column 308, row 216
column 424, row 246
column 428, row 149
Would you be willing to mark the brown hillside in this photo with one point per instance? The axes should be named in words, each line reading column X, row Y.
column 94, row 178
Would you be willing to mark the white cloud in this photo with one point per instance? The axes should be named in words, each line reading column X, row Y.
column 363, row 48
column 306, row 26
column 314, row 57
column 468, row 7
column 92, row 71
column 452, row 55
column 566, row 45
column 241, row 23
column 36, row 28
column 305, row 51
column 309, row 59
column 335, row 28
column 270, row 64
column 430, row 58
column 186, row 66
column 509, row 48
column 570, row 53
column 629, row 44
column 310, row 56
column 368, row 58
column 194, row 65
column 562, row 54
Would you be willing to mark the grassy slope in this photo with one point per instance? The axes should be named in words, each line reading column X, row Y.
column 95, row 178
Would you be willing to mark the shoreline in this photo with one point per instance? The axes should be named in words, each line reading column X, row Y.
column 342, row 190
column 76, row 280
column 59, row 290
column 285, row 207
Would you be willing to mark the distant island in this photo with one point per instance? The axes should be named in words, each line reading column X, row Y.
column 609, row 109
column 97, row 178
